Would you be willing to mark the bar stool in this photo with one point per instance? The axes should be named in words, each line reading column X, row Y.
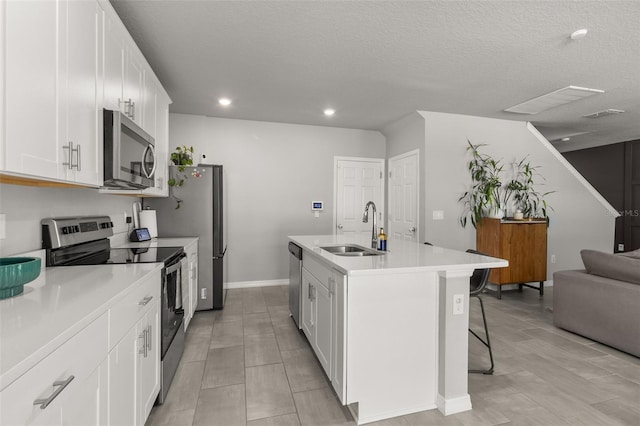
column 477, row 283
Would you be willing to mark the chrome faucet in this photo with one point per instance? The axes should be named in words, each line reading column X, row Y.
column 365, row 219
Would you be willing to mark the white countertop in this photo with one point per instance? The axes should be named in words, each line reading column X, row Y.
column 161, row 242
column 402, row 256
column 55, row 306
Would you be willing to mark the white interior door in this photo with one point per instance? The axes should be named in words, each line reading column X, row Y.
column 403, row 197
column 358, row 181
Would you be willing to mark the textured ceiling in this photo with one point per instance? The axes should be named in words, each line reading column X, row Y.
column 377, row 61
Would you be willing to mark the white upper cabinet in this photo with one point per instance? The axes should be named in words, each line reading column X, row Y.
column 53, row 70
column 31, row 89
column 65, row 61
column 80, row 90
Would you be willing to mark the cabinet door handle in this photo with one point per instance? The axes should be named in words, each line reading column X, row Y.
column 79, row 155
column 44, row 402
column 149, row 329
column 143, row 350
column 145, row 301
column 69, row 149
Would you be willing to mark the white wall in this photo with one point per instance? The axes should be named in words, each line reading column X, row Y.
column 404, row 135
column 273, row 172
column 579, row 220
column 26, row 206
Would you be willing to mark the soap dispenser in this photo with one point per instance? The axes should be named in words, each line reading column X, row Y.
column 382, row 240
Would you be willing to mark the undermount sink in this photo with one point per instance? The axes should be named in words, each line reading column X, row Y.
column 352, row 250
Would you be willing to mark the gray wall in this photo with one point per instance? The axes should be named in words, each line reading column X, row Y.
column 404, row 135
column 579, row 220
column 273, row 172
column 25, row 206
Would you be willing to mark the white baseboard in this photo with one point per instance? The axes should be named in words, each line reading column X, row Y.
column 251, row 284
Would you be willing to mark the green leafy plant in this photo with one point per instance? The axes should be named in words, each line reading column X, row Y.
column 182, row 157
column 531, row 202
column 486, row 193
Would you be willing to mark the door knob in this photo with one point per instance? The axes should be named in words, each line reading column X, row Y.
column 339, row 226
column 412, row 229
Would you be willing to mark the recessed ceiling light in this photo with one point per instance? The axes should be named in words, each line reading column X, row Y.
column 565, row 139
column 224, row 101
column 553, row 99
column 577, row 35
column 329, row 112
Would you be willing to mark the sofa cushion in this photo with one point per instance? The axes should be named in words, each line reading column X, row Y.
column 633, row 254
column 623, row 268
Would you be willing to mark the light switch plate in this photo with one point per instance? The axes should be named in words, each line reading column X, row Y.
column 438, row 215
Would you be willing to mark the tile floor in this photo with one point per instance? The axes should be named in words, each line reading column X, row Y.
column 249, row 365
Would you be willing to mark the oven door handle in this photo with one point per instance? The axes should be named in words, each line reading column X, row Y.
column 174, row 266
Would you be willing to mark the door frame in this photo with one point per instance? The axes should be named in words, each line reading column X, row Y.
column 380, row 209
column 415, row 152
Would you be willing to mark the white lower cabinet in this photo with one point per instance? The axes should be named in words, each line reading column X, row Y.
column 68, row 387
column 323, row 313
column 190, row 283
column 134, row 360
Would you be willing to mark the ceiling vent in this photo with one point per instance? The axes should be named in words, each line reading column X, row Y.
column 553, row 99
column 604, row 113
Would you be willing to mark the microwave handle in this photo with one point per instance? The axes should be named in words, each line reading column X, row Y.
column 155, row 162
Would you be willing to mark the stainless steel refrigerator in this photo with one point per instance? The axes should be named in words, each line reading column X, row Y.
column 201, row 214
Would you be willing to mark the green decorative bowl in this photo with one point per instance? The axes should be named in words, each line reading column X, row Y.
column 15, row 272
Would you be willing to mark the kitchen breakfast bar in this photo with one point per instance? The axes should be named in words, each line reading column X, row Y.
column 390, row 330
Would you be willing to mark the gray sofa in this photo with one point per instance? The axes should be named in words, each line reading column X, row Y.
column 601, row 302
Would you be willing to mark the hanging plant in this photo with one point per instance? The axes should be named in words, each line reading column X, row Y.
column 181, row 158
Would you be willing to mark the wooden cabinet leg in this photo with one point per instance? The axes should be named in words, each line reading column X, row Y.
column 499, row 291
column 541, row 288
column 519, row 287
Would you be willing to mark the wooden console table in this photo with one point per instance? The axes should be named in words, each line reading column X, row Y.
column 523, row 243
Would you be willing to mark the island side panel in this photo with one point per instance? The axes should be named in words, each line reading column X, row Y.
column 453, row 343
column 392, row 333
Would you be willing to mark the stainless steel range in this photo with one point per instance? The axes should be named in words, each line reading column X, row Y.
column 73, row 241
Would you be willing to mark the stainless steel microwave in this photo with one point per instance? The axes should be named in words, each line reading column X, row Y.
column 129, row 154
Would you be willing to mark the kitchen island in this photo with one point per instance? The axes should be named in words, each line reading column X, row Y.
column 390, row 330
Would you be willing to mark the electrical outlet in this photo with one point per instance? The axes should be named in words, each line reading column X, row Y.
column 553, row 258
column 458, row 304
column 620, row 247
column 203, row 293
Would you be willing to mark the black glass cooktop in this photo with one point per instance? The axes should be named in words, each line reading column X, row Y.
column 131, row 255
column 100, row 252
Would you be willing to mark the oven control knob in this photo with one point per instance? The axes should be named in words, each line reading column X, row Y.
column 76, row 228
column 65, row 229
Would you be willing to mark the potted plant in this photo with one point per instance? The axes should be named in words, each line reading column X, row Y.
column 486, row 196
column 181, row 158
column 528, row 201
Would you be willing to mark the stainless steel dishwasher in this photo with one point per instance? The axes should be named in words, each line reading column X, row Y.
column 295, row 281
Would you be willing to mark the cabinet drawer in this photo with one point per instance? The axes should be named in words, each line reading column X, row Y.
column 78, row 357
column 131, row 307
column 320, row 271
